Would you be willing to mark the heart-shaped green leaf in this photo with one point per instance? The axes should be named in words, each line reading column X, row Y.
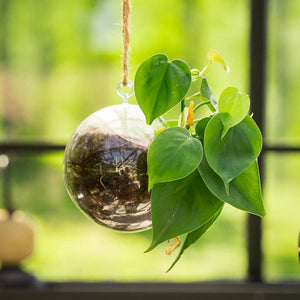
column 172, row 155
column 233, row 107
column 180, row 206
column 160, row 84
column 207, row 93
column 238, row 149
column 216, row 57
column 244, row 190
column 195, row 235
column 200, row 127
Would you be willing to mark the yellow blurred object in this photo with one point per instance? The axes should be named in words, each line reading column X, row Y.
column 174, row 246
column 190, row 116
column 16, row 238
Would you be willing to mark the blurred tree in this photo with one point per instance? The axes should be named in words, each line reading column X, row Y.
column 7, row 110
column 4, row 11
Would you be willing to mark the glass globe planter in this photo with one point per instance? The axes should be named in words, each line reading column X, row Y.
column 105, row 167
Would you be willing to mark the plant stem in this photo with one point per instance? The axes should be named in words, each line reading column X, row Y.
column 201, row 104
column 206, row 68
column 196, row 95
column 182, row 105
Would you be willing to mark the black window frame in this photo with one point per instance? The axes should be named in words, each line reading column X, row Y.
column 254, row 286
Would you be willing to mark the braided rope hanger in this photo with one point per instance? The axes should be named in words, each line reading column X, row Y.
column 126, row 8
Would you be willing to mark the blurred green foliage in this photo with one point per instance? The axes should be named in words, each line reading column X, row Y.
column 63, row 57
column 61, row 60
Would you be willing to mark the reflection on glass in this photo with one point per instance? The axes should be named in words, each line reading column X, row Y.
column 106, row 167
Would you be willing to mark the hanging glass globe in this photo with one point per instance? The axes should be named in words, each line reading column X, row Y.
column 105, row 167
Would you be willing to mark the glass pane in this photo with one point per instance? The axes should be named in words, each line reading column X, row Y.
column 283, row 89
column 282, row 222
column 70, row 247
column 62, row 63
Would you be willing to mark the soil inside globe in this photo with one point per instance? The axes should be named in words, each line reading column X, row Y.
column 106, row 176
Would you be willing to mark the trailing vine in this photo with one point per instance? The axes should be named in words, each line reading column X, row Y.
column 196, row 166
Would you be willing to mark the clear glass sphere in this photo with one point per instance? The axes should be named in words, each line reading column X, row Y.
column 105, row 167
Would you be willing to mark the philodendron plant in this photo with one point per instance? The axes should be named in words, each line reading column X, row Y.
column 195, row 166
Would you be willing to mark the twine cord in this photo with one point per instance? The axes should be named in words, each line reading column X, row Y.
column 126, row 8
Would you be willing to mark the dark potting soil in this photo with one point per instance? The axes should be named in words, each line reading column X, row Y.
column 106, row 177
